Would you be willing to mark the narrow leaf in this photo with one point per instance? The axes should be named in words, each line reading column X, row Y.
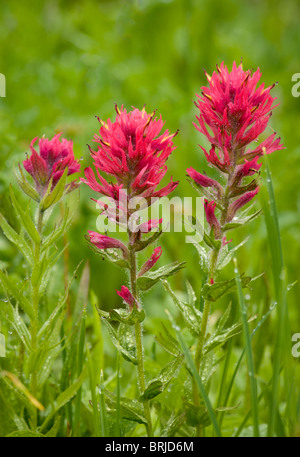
column 25, row 219
column 148, row 280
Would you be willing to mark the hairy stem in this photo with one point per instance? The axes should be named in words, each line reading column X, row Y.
column 34, row 323
column 207, row 304
column 139, row 345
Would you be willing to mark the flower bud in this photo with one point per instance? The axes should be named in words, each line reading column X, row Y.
column 151, row 262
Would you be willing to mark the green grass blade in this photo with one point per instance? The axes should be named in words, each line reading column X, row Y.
column 96, row 415
column 253, row 386
column 98, row 353
column 248, row 415
column 118, row 427
column 191, row 365
column 224, row 373
column 229, row 389
column 225, row 368
column 80, row 362
column 103, row 415
column 283, row 337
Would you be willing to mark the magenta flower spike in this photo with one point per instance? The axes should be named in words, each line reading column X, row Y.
column 50, row 162
column 130, row 163
column 133, row 151
column 234, row 111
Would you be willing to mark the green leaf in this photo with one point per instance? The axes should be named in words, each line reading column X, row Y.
column 242, row 221
column 212, row 292
column 38, row 271
column 18, row 240
column 168, row 342
column 203, row 191
column 191, row 315
column 114, row 256
column 23, row 389
column 70, row 353
column 191, row 294
column 148, row 280
column 173, row 425
column 67, row 395
column 58, row 232
column 127, row 341
column 159, row 384
column 128, row 351
column 64, row 398
column 49, row 341
column 83, row 290
column 204, row 256
column 52, row 433
column 25, row 433
column 25, row 219
column 224, row 318
column 10, row 418
column 197, row 415
column 50, row 198
column 46, row 352
column 11, row 314
column 47, row 327
column 26, row 187
column 144, row 243
column 195, row 374
column 12, row 289
column 123, row 315
column 227, row 255
column 129, row 409
column 220, row 337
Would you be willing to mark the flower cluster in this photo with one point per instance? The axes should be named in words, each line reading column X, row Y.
column 49, row 164
column 233, row 112
column 133, row 151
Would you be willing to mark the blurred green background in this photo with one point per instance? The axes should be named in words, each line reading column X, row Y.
column 67, row 61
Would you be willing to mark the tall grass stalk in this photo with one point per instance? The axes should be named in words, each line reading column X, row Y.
column 196, row 377
column 283, row 336
column 253, row 386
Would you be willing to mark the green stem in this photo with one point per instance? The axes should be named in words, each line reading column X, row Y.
column 207, row 304
column 205, row 314
column 34, row 323
column 139, row 345
column 203, row 330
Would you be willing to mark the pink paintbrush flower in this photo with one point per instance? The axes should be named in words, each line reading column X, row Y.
column 239, row 203
column 209, row 208
column 50, row 162
column 203, row 180
column 233, row 112
column 146, row 227
column 106, row 242
column 151, row 262
column 134, row 152
column 127, row 297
